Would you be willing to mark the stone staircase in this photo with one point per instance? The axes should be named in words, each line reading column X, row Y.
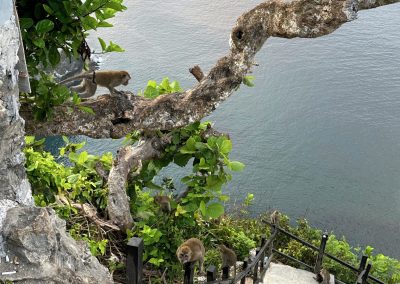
column 284, row 274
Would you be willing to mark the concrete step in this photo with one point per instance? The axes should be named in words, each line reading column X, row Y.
column 284, row 274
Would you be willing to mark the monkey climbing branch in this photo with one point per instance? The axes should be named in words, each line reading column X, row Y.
column 116, row 116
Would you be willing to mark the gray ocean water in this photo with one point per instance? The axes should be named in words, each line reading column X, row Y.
column 320, row 131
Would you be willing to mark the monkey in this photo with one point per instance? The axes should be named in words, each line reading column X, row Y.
column 164, row 201
column 190, row 251
column 228, row 257
column 275, row 218
column 323, row 277
column 108, row 79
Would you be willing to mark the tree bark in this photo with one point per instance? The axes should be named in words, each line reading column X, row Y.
column 117, row 116
column 129, row 157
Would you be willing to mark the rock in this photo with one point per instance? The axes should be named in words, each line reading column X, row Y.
column 36, row 237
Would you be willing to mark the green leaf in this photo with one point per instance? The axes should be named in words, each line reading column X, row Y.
column 224, row 198
column 65, row 139
column 236, row 166
column 226, row 146
column 44, row 26
column 115, row 6
column 214, row 210
column 32, row 167
column 39, row 42
column 25, row 23
column 203, row 165
column 54, row 56
column 248, row 81
column 102, row 43
column 86, row 109
column 214, row 182
column 73, row 178
column 89, row 22
column 189, row 147
column 152, row 185
column 29, row 140
column 114, row 47
column 175, row 87
column 202, row 208
column 180, row 210
column 83, row 156
column 48, row 9
column 104, row 24
column 181, row 159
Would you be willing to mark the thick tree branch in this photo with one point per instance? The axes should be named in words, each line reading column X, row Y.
column 132, row 158
column 119, row 115
column 129, row 157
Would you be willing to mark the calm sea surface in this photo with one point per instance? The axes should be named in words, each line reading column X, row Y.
column 320, row 131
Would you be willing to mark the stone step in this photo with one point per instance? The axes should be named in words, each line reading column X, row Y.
column 284, row 274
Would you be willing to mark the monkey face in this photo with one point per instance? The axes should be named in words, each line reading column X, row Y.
column 125, row 78
column 185, row 255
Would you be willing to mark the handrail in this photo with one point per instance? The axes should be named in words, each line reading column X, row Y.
column 294, row 259
column 349, row 266
column 256, row 259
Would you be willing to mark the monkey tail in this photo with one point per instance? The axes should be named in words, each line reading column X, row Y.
column 77, row 77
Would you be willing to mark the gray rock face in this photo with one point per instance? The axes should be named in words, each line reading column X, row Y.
column 13, row 181
column 34, row 245
column 40, row 251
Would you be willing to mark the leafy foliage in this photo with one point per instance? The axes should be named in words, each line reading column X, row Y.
column 50, row 27
column 153, row 89
column 198, row 213
column 80, row 182
column 162, row 232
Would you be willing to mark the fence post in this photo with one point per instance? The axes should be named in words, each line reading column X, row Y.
column 255, row 278
column 363, row 275
column 263, row 240
column 361, row 268
column 271, row 245
column 363, row 263
column 321, row 252
column 245, row 263
column 134, row 261
column 225, row 272
column 211, row 273
column 189, row 273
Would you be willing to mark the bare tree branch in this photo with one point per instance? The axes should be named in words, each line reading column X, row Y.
column 88, row 211
column 129, row 157
column 119, row 115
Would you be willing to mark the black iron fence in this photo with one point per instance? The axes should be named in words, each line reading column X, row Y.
column 253, row 269
column 362, row 272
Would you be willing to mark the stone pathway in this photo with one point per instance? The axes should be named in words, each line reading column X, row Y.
column 284, row 274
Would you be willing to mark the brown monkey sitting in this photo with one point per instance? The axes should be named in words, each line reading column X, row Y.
column 190, row 251
column 164, row 201
column 228, row 257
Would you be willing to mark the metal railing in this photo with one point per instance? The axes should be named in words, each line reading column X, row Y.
column 362, row 271
column 254, row 268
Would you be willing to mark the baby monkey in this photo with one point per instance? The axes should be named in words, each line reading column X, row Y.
column 108, row 79
column 190, row 251
column 164, row 201
column 323, row 277
column 228, row 257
